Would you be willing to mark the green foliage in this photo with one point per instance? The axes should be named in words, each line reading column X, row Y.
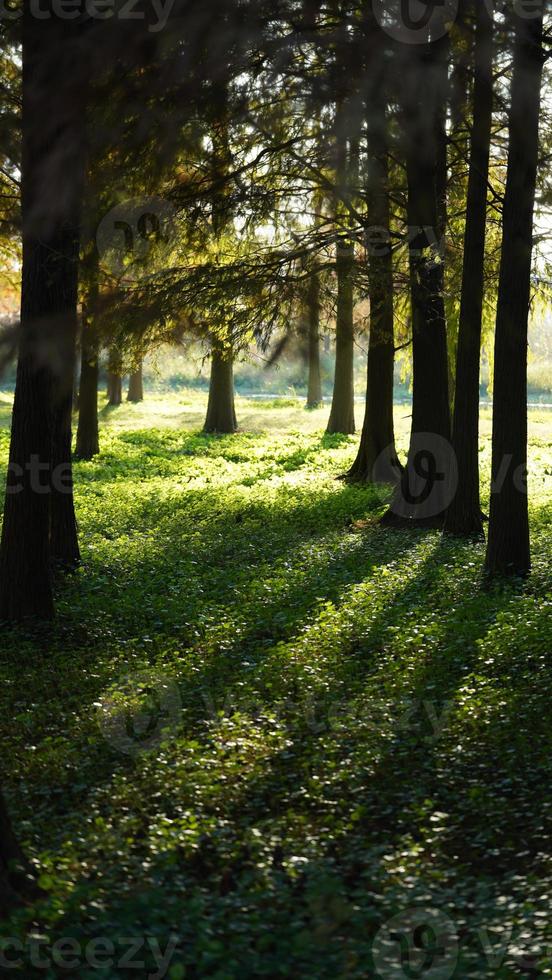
column 361, row 729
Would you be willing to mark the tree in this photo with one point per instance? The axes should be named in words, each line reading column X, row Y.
column 221, row 413
column 88, row 443
column 508, row 547
column 376, row 460
column 221, row 410
column 314, row 383
column 342, row 413
column 422, row 495
column 136, row 385
column 39, row 469
column 114, row 378
column 463, row 516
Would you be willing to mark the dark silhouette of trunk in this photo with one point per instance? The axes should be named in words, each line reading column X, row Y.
column 76, row 368
column 221, row 412
column 88, row 441
column 508, row 548
column 462, row 64
column 424, row 490
column 136, row 386
column 64, row 545
column 463, row 518
column 376, row 460
column 52, row 178
column 342, row 414
column 314, row 389
column 114, row 379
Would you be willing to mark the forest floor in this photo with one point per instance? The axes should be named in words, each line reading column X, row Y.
column 269, row 733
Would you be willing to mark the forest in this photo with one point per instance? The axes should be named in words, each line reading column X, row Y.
column 276, row 464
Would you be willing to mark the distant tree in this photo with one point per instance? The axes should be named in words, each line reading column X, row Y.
column 114, row 378
column 221, row 413
column 88, row 443
column 312, row 314
column 135, row 391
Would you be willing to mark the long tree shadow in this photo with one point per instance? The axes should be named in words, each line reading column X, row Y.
column 53, row 681
column 397, row 771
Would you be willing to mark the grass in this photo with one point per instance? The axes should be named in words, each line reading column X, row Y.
column 264, row 726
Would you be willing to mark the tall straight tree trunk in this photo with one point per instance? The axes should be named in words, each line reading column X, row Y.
column 314, row 388
column 136, row 385
column 508, row 548
column 463, row 518
column 88, row 441
column 376, row 460
column 423, row 493
column 52, row 179
column 342, row 414
column 221, row 412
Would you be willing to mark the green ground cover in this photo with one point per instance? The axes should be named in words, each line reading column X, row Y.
column 264, row 726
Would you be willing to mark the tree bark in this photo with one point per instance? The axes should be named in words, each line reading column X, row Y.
column 342, row 414
column 52, row 179
column 423, row 493
column 114, row 389
column 314, row 389
column 463, row 518
column 64, row 545
column 376, row 460
column 508, row 547
column 136, row 386
column 221, row 412
column 114, row 379
column 88, row 440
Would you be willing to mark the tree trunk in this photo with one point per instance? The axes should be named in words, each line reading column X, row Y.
column 114, row 379
column 64, row 545
column 76, row 368
column 52, row 177
column 221, row 412
column 508, row 548
column 463, row 518
column 376, row 460
column 88, row 441
column 314, row 391
column 114, row 389
column 342, row 414
column 136, row 386
column 424, row 490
